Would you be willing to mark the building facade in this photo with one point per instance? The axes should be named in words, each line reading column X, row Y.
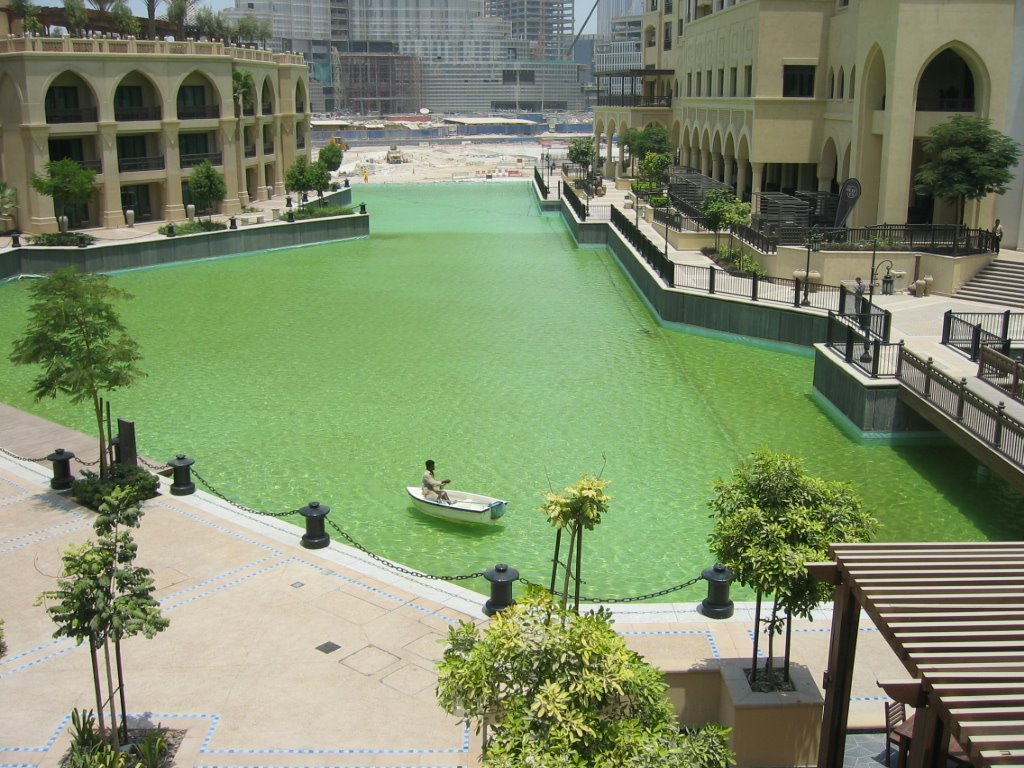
column 143, row 114
column 788, row 95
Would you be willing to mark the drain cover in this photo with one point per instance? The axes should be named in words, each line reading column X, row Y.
column 328, row 647
column 297, row 584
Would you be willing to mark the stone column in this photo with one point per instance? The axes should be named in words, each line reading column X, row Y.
column 716, row 166
column 727, row 177
column 756, row 181
column 229, row 153
column 741, row 178
column 174, row 208
column 111, row 214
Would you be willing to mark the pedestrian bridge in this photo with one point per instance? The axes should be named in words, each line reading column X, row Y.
column 974, row 416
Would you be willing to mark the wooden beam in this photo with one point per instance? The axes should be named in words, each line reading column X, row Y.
column 909, row 692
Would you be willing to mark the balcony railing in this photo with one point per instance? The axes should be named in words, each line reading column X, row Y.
column 300, row 107
column 250, row 150
column 191, row 161
column 71, row 115
column 300, row 142
column 633, row 100
column 129, row 164
column 268, row 148
column 198, row 112
column 945, row 105
column 268, row 109
column 89, row 165
column 249, row 110
column 132, row 114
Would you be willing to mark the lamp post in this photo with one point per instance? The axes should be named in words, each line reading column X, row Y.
column 865, row 309
column 813, row 244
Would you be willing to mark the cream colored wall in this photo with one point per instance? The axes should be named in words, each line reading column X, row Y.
column 30, row 67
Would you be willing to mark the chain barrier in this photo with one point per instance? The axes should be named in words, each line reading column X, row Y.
column 242, row 507
column 20, row 458
column 631, row 599
column 395, row 567
column 153, row 466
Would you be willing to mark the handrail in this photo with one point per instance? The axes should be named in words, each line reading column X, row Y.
column 990, row 423
column 873, row 356
column 1007, row 325
column 653, row 255
column 574, row 202
column 541, row 184
column 1002, row 372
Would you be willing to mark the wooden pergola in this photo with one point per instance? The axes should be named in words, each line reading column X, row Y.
column 954, row 615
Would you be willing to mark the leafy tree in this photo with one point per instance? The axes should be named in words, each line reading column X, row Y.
column 655, row 166
column 559, row 689
column 207, row 186
column 721, row 209
column 248, row 29
column 124, row 19
column 66, row 182
column 319, row 179
column 577, row 508
column 27, row 12
column 771, row 519
column 151, row 6
column 213, row 25
column 296, row 178
column 630, row 139
column 968, row 159
column 582, row 152
column 330, row 155
column 8, row 202
column 74, row 333
column 76, row 17
column 243, row 88
column 177, row 14
column 266, row 31
column 102, row 597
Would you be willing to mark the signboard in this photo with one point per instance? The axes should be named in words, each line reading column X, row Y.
column 848, row 197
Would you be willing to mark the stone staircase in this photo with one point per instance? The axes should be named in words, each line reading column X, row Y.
column 1001, row 282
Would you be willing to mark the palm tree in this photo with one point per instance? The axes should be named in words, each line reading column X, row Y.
column 177, row 14
column 103, row 6
column 151, row 6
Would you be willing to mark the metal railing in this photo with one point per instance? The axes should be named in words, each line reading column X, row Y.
column 541, row 184
column 198, row 111
column 71, row 115
column 929, row 238
column 633, row 100
column 989, row 423
column 649, row 252
column 130, row 114
column 574, row 202
column 1002, row 372
column 250, row 150
column 872, row 356
column 191, row 161
column 129, row 164
column 968, row 331
column 875, row 320
column 761, row 241
column 268, row 148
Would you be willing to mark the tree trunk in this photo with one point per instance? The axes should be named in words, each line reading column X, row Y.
column 568, row 568
column 96, row 684
column 115, row 740
column 120, row 690
column 98, row 405
column 757, row 635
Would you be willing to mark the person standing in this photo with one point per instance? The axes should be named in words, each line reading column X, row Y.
column 997, row 231
column 432, row 487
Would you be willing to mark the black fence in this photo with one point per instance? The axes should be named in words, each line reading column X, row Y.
column 970, row 331
column 541, row 184
column 872, row 356
column 874, row 320
column 989, row 423
column 927, row 238
column 1003, row 372
column 574, row 202
column 652, row 254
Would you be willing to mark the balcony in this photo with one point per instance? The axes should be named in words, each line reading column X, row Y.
column 250, row 150
column 248, row 111
column 71, row 115
column 198, row 112
column 135, row 114
column 268, row 109
column 300, row 107
column 130, row 164
column 191, row 161
column 632, row 100
column 300, row 142
column 945, row 105
column 268, row 148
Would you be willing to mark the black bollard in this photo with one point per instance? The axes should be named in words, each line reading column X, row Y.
column 232, row 222
column 501, row 577
column 288, row 202
column 346, row 184
column 291, row 216
column 182, row 485
column 362, row 207
column 81, row 241
column 170, row 229
column 62, row 479
column 315, row 537
column 15, row 239
column 115, row 443
column 717, row 604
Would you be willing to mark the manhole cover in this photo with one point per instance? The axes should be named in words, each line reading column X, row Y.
column 297, row 584
column 328, row 647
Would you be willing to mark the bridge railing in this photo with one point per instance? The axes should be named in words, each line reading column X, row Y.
column 989, row 423
column 1002, row 372
column 970, row 331
column 873, row 356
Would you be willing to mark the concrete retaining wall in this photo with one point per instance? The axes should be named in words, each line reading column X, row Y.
column 113, row 256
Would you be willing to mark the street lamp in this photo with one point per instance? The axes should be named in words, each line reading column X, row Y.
column 865, row 310
column 813, row 244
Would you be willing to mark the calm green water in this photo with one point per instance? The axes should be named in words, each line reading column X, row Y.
column 469, row 329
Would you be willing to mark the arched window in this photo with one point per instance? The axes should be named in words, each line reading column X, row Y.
column 832, row 84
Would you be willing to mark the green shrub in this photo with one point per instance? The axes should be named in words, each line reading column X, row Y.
column 658, row 201
column 85, row 739
column 193, row 227
column 645, row 187
column 151, row 750
column 315, row 211
column 62, row 238
column 92, row 489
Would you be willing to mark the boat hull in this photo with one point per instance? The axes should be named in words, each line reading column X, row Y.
column 464, row 507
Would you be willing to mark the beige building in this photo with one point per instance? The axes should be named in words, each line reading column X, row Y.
column 787, row 95
column 142, row 114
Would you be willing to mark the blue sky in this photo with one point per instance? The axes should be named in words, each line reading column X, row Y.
column 582, row 9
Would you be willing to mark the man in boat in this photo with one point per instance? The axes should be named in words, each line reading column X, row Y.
column 432, row 487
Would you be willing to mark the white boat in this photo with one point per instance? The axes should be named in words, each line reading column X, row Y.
column 463, row 506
